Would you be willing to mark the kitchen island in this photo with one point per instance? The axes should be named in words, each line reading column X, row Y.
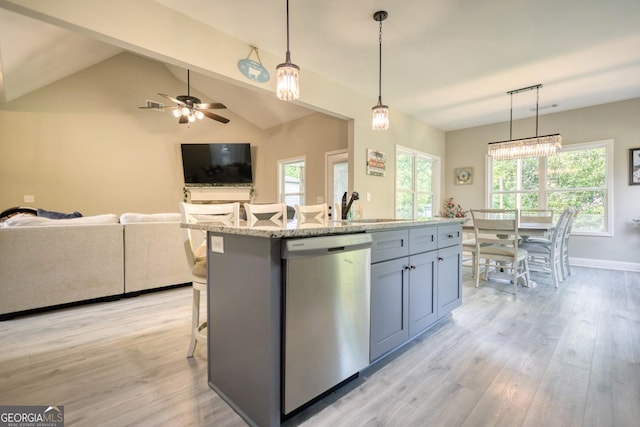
column 305, row 299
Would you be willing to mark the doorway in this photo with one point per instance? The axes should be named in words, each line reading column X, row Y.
column 337, row 173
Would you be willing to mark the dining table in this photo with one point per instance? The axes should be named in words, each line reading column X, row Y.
column 525, row 229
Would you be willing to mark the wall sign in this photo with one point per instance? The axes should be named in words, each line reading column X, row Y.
column 253, row 70
column 376, row 162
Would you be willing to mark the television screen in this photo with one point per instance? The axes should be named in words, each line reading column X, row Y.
column 217, row 164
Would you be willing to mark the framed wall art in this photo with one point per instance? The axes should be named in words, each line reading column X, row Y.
column 634, row 166
column 376, row 162
column 463, row 176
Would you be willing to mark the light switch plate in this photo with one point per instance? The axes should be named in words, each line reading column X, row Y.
column 217, row 244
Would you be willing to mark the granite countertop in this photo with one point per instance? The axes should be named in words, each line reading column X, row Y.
column 307, row 229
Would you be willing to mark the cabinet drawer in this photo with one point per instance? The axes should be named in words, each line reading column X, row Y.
column 423, row 239
column 449, row 235
column 389, row 245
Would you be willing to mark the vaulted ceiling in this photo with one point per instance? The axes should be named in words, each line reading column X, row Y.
column 446, row 62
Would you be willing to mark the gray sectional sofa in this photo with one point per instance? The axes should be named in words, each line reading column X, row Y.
column 49, row 262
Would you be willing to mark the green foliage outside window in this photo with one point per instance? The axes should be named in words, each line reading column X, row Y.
column 574, row 178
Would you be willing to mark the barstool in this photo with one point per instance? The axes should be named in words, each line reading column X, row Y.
column 195, row 245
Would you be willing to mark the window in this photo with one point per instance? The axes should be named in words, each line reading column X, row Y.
column 416, row 174
column 580, row 175
column 291, row 181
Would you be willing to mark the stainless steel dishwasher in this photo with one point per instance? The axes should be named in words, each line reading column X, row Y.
column 326, row 314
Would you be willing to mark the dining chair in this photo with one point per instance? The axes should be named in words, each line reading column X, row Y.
column 565, row 266
column 268, row 215
column 195, row 246
column 496, row 235
column 540, row 216
column 316, row 214
column 545, row 255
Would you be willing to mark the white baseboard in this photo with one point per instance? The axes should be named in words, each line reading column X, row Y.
column 606, row 264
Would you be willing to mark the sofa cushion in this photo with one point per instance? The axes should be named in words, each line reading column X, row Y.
column 57, row 215
column 30, row 221
column 131, row 218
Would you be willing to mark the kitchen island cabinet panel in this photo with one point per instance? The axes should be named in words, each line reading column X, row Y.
column 389, row 306
column 422, row 292
column 449, row 289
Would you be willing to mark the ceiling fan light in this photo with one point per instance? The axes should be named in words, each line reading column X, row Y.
column 185, row 111
column 177, row 113
column 192, row 118
column 199, row 115
column 288, row 81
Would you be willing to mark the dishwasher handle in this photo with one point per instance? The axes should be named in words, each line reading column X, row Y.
column 295, row 248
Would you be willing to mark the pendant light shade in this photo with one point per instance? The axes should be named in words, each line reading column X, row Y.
column 288, row 74
column 380, row 112
column 537, row 146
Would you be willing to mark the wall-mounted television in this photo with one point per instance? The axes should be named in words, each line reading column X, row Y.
column 217, row 164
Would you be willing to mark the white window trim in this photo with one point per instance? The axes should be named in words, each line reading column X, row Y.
column 435, row 179
column 281, row 192
column 609, row 183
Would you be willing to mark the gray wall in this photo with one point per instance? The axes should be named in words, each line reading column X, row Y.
column 619, row 121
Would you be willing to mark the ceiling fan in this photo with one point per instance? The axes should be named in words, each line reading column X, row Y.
column 189, row 108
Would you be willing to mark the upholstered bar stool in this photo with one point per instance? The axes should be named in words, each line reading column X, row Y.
column 195, row 245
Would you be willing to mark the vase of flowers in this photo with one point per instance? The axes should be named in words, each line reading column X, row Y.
column 451, row 209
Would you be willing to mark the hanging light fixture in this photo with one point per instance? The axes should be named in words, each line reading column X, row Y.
column 288, row 74
column 380, row 112
column 537, row 146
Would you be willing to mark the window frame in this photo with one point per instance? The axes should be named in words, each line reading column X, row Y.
column 282, row 194
column 543, row 191
column 435, row 180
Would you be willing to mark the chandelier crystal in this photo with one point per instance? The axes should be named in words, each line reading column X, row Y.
column 288, row 74
column 537, row 146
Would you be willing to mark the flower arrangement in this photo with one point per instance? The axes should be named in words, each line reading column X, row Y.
column 451, row 209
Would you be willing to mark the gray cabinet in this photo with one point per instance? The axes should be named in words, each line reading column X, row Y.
column 449, row 281
column 415, row 280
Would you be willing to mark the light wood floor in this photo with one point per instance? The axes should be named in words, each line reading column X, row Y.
column 566, row 357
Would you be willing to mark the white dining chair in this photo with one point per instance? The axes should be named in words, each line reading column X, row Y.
column 267, row 215
column 314, row 214
column 565, row 266
column 195, row 246
column 536, row 216
column 545, row 255
column 496, row 235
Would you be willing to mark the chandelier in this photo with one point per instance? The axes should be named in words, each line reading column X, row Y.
column 288, row 74
column 380, row 111
column 537, row 146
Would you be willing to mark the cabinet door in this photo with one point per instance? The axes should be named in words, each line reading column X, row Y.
column 389, row 306
column 449, row 292
column 422, row 292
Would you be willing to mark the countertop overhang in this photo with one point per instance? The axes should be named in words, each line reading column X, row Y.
column 307, row 229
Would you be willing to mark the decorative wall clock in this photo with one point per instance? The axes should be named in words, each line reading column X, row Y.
column 463, row 175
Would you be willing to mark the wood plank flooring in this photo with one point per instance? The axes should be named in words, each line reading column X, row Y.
column 565, row 357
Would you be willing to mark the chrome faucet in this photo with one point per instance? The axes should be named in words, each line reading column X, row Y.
column 345, row 206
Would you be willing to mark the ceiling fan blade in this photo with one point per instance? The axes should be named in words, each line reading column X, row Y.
column 211, row 106
column 183, row 119
column 171, row 98
column 215, row 116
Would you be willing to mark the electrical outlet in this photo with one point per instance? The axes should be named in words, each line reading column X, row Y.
column 29, row 198
column 368, row 197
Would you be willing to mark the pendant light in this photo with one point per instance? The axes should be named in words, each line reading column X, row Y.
column 380, row 112
column 288, row 74
column 537, row 146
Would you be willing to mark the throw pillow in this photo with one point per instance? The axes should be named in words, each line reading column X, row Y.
column 58, row 215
